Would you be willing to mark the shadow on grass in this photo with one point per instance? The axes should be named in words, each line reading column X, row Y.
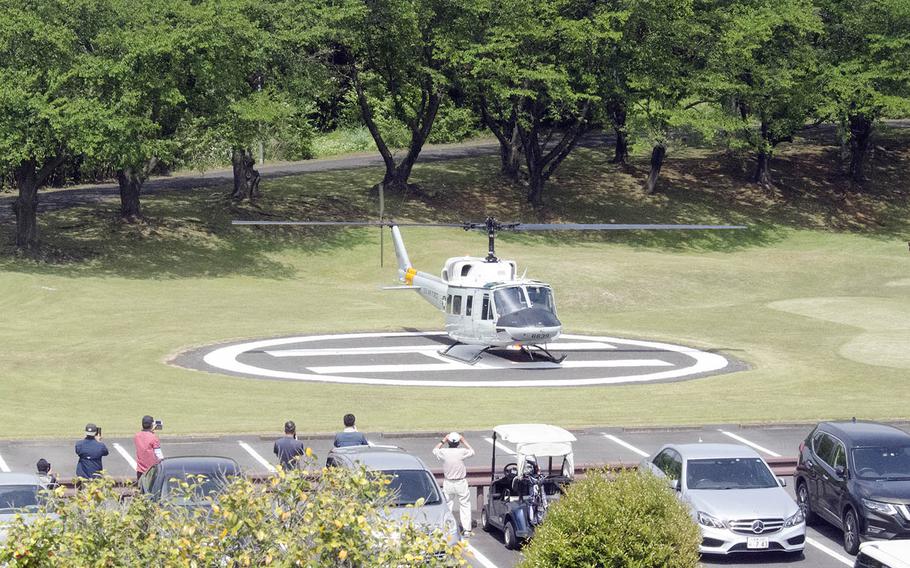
column 188, row 233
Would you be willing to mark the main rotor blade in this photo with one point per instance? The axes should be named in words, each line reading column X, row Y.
column 347, row 224
column 618, row 227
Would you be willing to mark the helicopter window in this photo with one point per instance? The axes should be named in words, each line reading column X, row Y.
column 449, row 304
column 456, row 305
column 541, row 297
column 465, row 269
column 469, row 305
column 485, row 312
column 509, row 300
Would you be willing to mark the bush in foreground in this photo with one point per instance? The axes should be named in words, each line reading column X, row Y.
column 628, row 520
column 331, row 519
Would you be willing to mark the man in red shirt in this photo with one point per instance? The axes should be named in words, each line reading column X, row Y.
column 148, row 447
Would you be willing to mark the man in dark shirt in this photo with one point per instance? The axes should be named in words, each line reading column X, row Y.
column 289, row 448
column 350, row 436
column 90, row 451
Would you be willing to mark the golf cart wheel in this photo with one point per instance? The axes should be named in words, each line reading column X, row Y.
column 851, row 532
column 485, row 520
column 509, row 537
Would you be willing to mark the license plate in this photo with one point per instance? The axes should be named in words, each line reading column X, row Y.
column 756, row 542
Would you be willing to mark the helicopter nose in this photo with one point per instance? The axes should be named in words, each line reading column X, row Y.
column 532, row 325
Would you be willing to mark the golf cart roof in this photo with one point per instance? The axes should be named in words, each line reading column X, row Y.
column 533, row 433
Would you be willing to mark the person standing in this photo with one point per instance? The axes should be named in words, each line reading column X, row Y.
column 148, row 447
column 46, row 475
column 289, row 448
column 90, row 451
column 455, row 486
column 350, row 436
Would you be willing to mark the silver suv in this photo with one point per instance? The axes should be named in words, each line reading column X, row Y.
column 411, row 481
column 20, row 493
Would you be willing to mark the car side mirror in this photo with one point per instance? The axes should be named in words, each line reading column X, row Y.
column 840, row 471
column 781, row 481
column 674, row 485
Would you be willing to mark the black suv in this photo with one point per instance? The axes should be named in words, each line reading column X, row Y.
column 856, row 476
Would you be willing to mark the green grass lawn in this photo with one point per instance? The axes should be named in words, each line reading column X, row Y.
column 815, row 297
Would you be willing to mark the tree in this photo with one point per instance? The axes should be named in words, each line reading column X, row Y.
column 394, row 53
column 535, row 67
column 866, row 69
column 44, row 116
column 765, row 61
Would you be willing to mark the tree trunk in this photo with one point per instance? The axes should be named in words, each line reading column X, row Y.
column 25, row 206
column 657, row 161
column 130, row 182
column 535, row 186
column 618, row 119
column 762, row 174
column 246, row 177
column 860, row 136
column 510, row 154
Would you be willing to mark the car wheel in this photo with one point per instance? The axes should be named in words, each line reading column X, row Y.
column 485, row 520
column 802, row 499
column 509, row 537
column 851, row 532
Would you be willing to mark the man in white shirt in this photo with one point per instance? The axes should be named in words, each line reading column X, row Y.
column 455, row 486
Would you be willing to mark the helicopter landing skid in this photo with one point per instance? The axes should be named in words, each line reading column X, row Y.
column 470, row 360
column 543, row 354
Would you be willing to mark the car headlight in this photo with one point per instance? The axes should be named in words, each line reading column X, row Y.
column 794, row 519
column 709, row 521
column 879, row 507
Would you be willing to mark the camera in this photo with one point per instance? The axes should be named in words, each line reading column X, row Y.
column 98, row 432
column 158, row 425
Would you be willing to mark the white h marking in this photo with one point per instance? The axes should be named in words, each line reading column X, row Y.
column 625, row 444
column 249, row 449
column 742, row 440
column 125, row 455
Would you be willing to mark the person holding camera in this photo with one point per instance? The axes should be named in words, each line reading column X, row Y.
column 148, row 447
column 455, row 486
column 90, row 451
column 289, row 449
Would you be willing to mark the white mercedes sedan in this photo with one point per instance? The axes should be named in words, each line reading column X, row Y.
column 738, row 503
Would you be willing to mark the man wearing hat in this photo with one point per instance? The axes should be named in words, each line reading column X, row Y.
column 90, row 451
column 455, row 486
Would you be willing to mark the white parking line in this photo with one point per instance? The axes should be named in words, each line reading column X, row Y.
column 742, row 440
column 3, row 467
column 501, row 446
column 249, row 449
column 125, row 455
column 840, row 558
column 483, row 560
column 625, row 444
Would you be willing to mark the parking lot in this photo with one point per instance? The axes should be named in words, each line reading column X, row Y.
column 596, row 445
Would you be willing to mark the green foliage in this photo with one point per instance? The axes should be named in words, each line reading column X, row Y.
column 453, row 124
column 630, row 519
column 333, row 517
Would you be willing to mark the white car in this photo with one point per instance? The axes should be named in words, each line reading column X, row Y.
column 20, row 494
column 884, row 554
column 738, row 503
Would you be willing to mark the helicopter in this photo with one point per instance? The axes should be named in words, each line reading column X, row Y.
column 487, row 306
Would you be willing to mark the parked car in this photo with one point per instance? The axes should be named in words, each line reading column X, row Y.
column 856, row 476
column 518, row 498
column 412, row 481
column 884, row 554
column 20, row 494
column 162, row 481
column 738, row 503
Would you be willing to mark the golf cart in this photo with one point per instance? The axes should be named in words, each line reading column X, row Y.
column 519, row 496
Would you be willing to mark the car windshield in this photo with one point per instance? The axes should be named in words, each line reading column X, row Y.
column 541, row 297
column 508, row 300
column 202, row 486
column 18, row 497
column 409, row 485
column 883, row 462
column 729, row 473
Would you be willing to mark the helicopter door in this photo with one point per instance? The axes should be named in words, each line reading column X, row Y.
column 482, row 317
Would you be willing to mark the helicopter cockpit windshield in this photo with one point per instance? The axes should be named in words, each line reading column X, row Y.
column 515, row 298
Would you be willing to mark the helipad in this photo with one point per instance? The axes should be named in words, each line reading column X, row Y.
column 413, row 359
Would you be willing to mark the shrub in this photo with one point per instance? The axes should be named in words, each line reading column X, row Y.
column 630, row 520
column 333, row 519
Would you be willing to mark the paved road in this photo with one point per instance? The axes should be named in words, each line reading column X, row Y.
column 254, row 453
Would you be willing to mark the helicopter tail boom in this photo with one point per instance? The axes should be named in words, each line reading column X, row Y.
column 404, row 263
